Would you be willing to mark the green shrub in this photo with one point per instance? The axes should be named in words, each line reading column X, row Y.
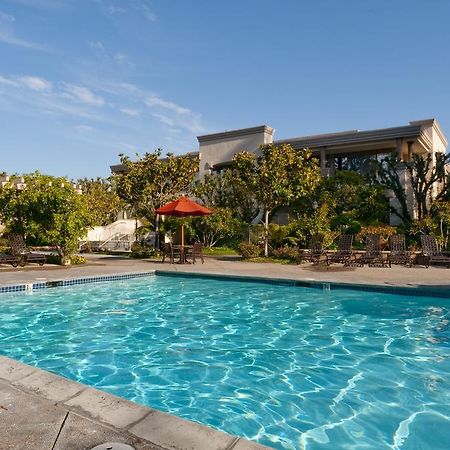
column 4, row 245
column 53, row 259
column 76, row 259
column 248, row 250
column 290, row 253
column 385, row 231
column 140, row 250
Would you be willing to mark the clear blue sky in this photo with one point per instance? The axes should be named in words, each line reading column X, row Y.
column 84, row 80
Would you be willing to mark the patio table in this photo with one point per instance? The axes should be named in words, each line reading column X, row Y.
column 184, row 251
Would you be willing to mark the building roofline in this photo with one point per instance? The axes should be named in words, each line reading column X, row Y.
column 435, row 124
column 355, row 136
column 235, row 133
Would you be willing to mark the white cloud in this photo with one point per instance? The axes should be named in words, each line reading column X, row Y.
column 82, row 94
column 102, row 52
column 96, row 45
column 164, row 119
column 8, row 36
column 8, row 81
column 36, row 83
column 155, row 100
column 43, row 4
column 84, row 128
column 121, row 58
column 116, row 9
column 169, row 113
column 148, row 13
column 31, row 94
column 7, row 17
column 130, row 112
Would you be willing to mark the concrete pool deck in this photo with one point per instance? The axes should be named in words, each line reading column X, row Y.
column 42, row 410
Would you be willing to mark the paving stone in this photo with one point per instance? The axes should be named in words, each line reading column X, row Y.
column 81, row 433
column 27, row 421
column 12, row 370
column 108, row 408
column 50, row 386
column 174, row 433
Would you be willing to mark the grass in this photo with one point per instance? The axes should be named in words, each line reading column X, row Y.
column 219, row 251
column 261, row 259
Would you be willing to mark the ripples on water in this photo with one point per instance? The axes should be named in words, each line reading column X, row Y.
column 290, row 367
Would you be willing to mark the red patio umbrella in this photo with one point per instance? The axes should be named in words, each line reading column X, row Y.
column 183, row 207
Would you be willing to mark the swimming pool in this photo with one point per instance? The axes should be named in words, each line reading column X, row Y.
column 290, row 367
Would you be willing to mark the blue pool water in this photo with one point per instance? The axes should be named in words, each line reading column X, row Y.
column 290, row 367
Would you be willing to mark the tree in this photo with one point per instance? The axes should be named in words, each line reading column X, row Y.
column 103, row 202
column 225, row 190
column 280, row 176
column 441, row 212
column 351, row 196
column 46, row 210
column 152, row 181
column 388, row 175
column 217, row 227
column 428, row 178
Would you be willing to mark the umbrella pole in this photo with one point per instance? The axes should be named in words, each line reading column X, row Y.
column 182, row 234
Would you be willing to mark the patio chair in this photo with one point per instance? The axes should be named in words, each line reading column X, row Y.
column 197, row 252
column 170, row 252
column 344, row 254
column 373, row 255
column 432, row 253
column 10, row 259
column 21, row 251
column 398, row 253
column 315, row 253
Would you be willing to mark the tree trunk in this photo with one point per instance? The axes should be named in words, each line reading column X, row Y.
column 64, row 259
column 266, row 233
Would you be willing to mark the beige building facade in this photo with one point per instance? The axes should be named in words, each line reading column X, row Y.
column 351, row 150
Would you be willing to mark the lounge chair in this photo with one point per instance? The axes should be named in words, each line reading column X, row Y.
column 20, row 250
column 373, row 255
column 10, row 259
column 344, row 254
column 398, row 253
column 316, row 254
column 171, row 253
column 432, row 253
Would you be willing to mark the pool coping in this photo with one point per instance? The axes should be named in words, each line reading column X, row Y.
column 27, row 287
column 133, row 421
column 416, row 291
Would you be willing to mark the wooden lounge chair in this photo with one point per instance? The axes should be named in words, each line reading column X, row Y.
column 398, row 253
column 316, row 254
column 20, row 250
column 197, row 252
column 373, row 255
column 171, row 253
column 432, row 253
column 10, row 259
column 344, row 254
